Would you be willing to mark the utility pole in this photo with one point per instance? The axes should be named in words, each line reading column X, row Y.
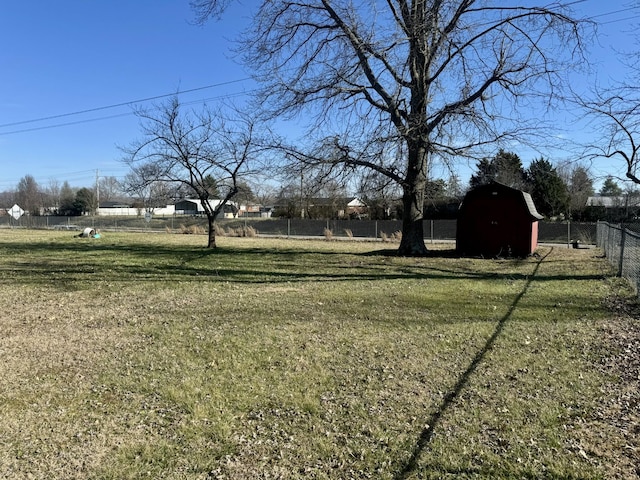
column 97, row 191
column 301, row 194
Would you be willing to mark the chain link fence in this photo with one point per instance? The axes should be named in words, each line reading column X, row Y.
column 621, row 245
column 434, row 230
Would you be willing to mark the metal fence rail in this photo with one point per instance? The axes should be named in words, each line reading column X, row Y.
column 621, row 247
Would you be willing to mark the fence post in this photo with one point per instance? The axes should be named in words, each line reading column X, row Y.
column 568, row 233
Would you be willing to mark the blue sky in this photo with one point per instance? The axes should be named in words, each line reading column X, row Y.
column 66, row 56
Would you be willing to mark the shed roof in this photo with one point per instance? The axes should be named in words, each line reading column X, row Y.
column 531, row 206
column 494, row 187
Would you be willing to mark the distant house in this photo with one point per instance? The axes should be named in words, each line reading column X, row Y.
column 616, row 208
column 354, row 207
column 621, row 201
column 253, row 210
column 497, row 220
column 190, row 206
column 127, row 209
column 322, row 207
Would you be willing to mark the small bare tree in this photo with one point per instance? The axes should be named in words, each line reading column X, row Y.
column 52, row 192
column 109, row 189
column 28, row 195
column 192, row 148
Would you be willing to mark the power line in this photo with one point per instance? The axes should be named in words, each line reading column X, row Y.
column 88, row 120
column 614, row 12
column 122, row 104
column 620, row 20
column 66, row 124
column 628, row 9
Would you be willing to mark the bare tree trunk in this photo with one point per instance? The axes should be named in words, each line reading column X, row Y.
column 412, row 243
column 211, row 232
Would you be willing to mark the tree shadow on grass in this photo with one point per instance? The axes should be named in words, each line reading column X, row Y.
column 439, row 253
column 445, row 253
column 432, row 423
column 63, row 264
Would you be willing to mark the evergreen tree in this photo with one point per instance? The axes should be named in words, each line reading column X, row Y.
column 505, row 167
column 211, row 186
column 610, row 188
column 485, row 173
column 85, row 201
column 548, row 190
column 245, row 194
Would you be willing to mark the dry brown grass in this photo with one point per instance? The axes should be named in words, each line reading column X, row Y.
column 394, row 237
column 137, row 356
column 56, row 346
column 242, row 231
column 192, row 230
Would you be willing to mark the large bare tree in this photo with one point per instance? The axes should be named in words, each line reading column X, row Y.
column 194, row 148
column 394, row 85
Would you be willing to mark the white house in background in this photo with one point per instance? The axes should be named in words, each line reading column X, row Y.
column 188, row 206
column 191, row 206
column 124, row 209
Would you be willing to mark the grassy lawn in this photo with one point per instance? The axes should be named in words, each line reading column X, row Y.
column 147, row 356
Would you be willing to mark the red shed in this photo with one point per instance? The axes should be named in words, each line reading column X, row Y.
column 495, row 220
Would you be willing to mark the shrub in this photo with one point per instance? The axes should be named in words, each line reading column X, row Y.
column 328, row 234
column 191, row 229
column 219, row 231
